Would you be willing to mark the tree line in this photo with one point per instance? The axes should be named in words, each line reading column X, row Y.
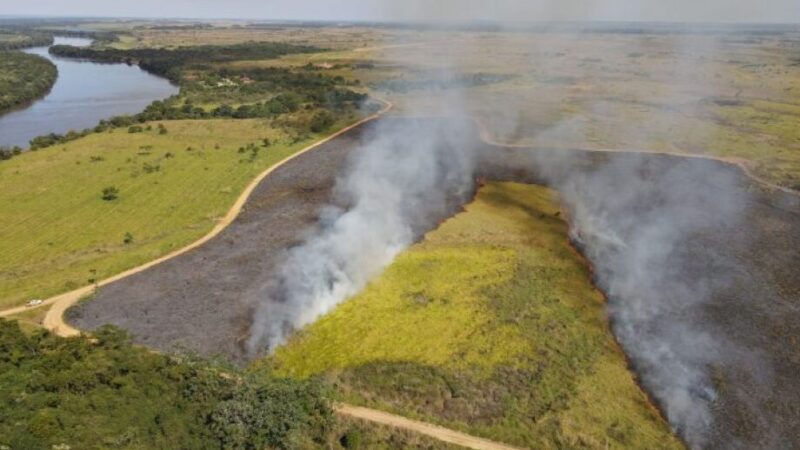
column 30, row 39
column 170, row 63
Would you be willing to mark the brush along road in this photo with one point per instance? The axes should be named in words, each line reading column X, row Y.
column 745, row 270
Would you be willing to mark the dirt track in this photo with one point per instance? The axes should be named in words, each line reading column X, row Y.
column 434, row 431
column 203, row 299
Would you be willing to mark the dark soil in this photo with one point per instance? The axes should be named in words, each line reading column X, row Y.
column 203, row 300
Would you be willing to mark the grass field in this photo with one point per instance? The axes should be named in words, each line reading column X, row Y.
column 58, row 233
column 490, row 326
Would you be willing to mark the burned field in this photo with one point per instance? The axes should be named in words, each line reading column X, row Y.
column 699, row 266
column 204, row 301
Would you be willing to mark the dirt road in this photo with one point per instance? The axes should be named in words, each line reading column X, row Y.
column 434, row 431
column 54, row 319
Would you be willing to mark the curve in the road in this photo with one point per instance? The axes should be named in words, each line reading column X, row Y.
column 427, row 429
column 54, row 319
column 741, row 163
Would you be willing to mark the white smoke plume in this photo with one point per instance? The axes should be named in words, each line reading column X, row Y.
column 407, row 176
column 634, row 220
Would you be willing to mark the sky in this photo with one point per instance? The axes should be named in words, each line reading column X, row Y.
column 751, row 11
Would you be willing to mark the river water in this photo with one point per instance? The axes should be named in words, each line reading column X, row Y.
column 83, row 94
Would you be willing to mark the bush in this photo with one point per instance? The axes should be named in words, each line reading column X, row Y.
column 321, row 121
column 351, row 440
column 110, row 193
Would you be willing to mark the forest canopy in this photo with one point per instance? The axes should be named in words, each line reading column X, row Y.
column 24, row 78
column 75, row 393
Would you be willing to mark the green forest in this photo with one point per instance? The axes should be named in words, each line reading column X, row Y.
column 15, row 40
column 105, row 393
column 23, row 78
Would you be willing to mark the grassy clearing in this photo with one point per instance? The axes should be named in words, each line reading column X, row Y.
column 490, row 326
column 59, row 233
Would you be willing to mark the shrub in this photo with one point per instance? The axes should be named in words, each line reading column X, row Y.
column 321, row 121
column 351, row 440
column 110, row 193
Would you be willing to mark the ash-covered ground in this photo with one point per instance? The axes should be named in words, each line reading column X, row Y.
column 704, row 295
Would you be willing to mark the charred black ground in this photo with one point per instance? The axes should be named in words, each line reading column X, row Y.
column 204, row 300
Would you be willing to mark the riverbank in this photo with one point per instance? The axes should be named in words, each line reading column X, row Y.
column 83, row 94
column 24, row 78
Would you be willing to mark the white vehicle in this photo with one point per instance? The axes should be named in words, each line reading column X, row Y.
column 35, row 302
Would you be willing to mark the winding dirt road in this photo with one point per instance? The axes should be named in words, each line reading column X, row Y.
column 54, row 319
column 743, row 164
column 434, row 431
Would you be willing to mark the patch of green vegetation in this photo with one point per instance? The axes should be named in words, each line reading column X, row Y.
column 58, row 231
column 24, row 78
column 491, row 326
column 23, row 38
column 765, row 133
column 105, row 393
column 436, row 82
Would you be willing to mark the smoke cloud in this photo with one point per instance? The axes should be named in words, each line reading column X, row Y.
column 635, row 218
column 639, row 219
column 408, row 175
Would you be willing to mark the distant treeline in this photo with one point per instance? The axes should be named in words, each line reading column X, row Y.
column 434, row 82
column 286, row 92
column 35, row 39
column 23, row 78
column 169, row 63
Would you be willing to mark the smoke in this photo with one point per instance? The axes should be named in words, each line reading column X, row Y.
column 408, row 175
column 635, row 218
column 639, row 219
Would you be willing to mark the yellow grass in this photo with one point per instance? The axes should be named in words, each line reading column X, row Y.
column 490, row 325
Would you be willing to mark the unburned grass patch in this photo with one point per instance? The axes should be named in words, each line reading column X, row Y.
column 490, row 326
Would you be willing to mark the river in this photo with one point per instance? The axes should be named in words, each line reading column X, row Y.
column 84, row 93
